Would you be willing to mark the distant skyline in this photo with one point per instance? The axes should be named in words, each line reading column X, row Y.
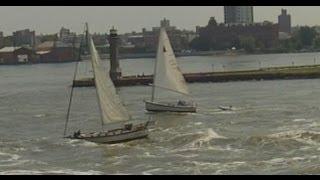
column 49, row 19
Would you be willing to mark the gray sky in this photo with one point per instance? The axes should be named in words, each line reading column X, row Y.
column 101, row 18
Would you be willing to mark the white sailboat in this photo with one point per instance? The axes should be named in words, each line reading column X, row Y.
column 167, row 76
column 115, row 118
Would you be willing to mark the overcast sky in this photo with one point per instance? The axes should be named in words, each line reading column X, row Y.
column 126, row 18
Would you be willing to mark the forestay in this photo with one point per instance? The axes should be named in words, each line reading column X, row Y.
column 109, row 102
column 167, row 72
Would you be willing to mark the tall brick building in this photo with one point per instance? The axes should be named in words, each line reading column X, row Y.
column 223, row 36
column 284, row 21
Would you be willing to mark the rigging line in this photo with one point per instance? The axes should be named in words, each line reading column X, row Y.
column 72, row 88
column 170, row 90
column 155, row 69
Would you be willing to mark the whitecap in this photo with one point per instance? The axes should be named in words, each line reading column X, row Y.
column 149, row 172
column 299, row 120
column 187, row 156
column 147, row 154
column 89, row 144
column 39, row 115
column 37, row 149
column 39, row 172
column 198, row 123
column 12, row 160
column 11, row 157
column 78, row 142
column 306, row 137
column 201, row 140
column 275, row 161
column 238, row 163
column 298, row 158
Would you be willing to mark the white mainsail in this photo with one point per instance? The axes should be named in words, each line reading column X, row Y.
column 167, row 74
column 110, row 104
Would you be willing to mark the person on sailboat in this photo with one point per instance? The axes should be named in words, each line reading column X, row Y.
column 182, row 103
column 77, row 133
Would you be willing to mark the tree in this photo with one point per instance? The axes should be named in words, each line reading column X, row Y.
column 247, row 42
column 316, row 42
column 200, row 43
column 8, row 41
column 260, row 45
column 212, row 22
column 306, row 35
column 49, row 37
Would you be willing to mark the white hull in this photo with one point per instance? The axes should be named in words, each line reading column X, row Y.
column 167, row 107
column 226, row 108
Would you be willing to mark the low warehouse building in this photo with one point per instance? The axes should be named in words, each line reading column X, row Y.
column 16, row 55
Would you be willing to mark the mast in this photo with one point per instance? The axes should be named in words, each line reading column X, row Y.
column 155, row 70
column 154, row 77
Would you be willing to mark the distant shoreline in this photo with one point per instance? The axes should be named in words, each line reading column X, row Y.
column 153, row 55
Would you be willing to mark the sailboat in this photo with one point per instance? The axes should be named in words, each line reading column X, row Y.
column 167, row 76
column 116, row 122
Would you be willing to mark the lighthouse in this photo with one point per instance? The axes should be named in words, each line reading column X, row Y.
column 115, row 71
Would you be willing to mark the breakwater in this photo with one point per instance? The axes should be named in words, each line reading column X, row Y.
column 273, row 73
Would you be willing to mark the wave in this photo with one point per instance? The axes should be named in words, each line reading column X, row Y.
column 198, row 123
column 39, row 115
column 10, row 160
column 77, row 142
column 192, row 141
column 300, row 120
column 52, row 172
column 10, row 157
column 149, row 172
column 301, row 136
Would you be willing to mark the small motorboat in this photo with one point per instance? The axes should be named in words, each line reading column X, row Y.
column 226, row 108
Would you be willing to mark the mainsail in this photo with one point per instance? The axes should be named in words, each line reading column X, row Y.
column 167, row 74
column 109, row 102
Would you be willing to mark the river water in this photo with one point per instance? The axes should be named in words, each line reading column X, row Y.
column 274, row 129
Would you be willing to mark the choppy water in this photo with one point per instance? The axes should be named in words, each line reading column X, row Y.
column 275, row 128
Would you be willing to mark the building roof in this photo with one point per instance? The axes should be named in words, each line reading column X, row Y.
column 9, row 49
column 135, row 36
column 47, row 45
column 43, row 52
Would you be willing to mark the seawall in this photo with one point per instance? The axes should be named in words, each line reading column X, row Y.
column 297, row 72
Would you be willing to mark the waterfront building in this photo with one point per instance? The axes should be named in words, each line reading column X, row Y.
column 16, row 55
column 1, row 40
column 225, row 36
column 24, row 38
column 66, row 36
column 55, row 51
column 148, row 40
column 238, row 14
column 284, row 21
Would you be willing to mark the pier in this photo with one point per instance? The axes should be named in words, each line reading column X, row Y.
column 273, row 73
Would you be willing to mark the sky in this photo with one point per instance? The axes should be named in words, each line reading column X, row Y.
column 49, row 19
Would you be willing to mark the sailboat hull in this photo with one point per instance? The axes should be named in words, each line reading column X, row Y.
column 128, row 133
column 167, row 107
column 124, row 137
